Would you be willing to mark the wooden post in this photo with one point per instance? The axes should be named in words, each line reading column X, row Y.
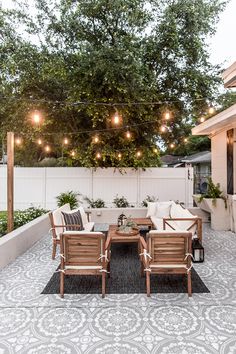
column 10, row 181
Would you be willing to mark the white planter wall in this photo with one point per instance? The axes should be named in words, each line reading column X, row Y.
column 40, row 186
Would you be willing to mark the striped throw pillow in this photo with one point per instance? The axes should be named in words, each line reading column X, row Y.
column 73, row 219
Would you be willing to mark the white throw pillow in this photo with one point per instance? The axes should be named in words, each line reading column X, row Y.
column 163, row 209
column 83, row 215
column 151, row 211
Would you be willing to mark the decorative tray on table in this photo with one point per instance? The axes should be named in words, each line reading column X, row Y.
column 127, row 231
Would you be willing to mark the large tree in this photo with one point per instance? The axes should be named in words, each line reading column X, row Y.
column 80, row 62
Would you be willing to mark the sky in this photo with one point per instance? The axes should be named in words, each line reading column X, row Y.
column 223, row 44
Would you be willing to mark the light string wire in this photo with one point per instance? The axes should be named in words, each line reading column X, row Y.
column 89, row 103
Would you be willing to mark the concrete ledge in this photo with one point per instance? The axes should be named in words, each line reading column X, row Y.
column 20, row 240
column 110, row 215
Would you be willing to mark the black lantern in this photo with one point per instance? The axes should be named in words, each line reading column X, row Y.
column 121, row 219
column 198, row 251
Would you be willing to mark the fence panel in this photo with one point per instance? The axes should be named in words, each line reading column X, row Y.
column 40, row 186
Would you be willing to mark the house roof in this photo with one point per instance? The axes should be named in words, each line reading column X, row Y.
column 200, row 157
column 229, row 76
column 222, row 121
column 171, row 159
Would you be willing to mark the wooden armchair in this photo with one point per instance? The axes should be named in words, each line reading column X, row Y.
column 84, row 253
column 167, row 252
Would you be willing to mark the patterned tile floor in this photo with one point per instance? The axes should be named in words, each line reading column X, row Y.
column 164, row 324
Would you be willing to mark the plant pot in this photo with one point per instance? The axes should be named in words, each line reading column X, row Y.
column 220, row 217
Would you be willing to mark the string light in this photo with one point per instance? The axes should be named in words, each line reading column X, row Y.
column 167, row 115
column 138, row 153
column 116, row 119
column 39, row 142
column 211, row 110
column 18, row 141
column 36, row 118
column 155, row 150
column 185, row 140
column 128, row 135
column 72, row 153
column 163, row 129
column 119, row 155
column 47, row 148
column 172, row 145
column 65, row 141
column 202, row 119
column 98, row 155
column 96, row 139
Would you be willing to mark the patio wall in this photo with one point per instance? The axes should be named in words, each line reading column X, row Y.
column 20, row 240
column 40, row 186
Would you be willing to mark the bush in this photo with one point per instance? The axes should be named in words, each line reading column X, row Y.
column 68, row 197
column 97, row 203
column 120, row 202
column 21, row 217
column 149, row 198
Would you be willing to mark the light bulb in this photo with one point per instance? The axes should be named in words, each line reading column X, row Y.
column 18, row 141
column 96, row 139
column 172, row 145
column 155, row 150
column 128, row 135
column 211, row 110
column 36, row 118
column 72, row 153
column 39, row 142
column 116, row 119
column 139, row 153
column 119, row 155
column 66, row 141
column 47, row 148
column 98, row 155
column 163, row 129
column 202, row 119
column 167, row 115
column 185, row 140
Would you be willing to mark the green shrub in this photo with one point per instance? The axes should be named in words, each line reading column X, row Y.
column 149, row 198
column 21, row 217
column 97, row 203
column 213, row 192
column 68, row 197
column 120, row 202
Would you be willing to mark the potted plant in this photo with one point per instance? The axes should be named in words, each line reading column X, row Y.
column 215, row 203
column 68, row 197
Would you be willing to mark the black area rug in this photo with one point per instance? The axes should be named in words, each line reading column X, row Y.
column 125, row 278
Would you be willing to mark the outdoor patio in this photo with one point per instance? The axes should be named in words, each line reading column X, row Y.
column 165, row 323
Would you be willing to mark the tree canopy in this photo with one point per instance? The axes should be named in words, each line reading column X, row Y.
column 80, row 62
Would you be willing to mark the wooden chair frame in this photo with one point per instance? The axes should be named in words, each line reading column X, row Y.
column 195, row 221
column 170, row 250
column 84, row 254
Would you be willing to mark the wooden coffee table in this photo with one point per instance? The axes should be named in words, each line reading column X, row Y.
column 115, row 238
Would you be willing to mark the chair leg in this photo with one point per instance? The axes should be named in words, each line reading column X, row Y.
column 54, row 249
column 109, row 269
column 103, row 284
column 189, row 284
column 148, row 284
column 62, row 279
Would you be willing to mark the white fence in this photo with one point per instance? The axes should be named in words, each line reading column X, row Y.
column 40, row 186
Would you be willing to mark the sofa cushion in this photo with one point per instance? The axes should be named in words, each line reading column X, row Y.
column 88, row 226
column 151, row 209
column 177, row 211
column 163, row 209
column 83, row 215
column 73, row 218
